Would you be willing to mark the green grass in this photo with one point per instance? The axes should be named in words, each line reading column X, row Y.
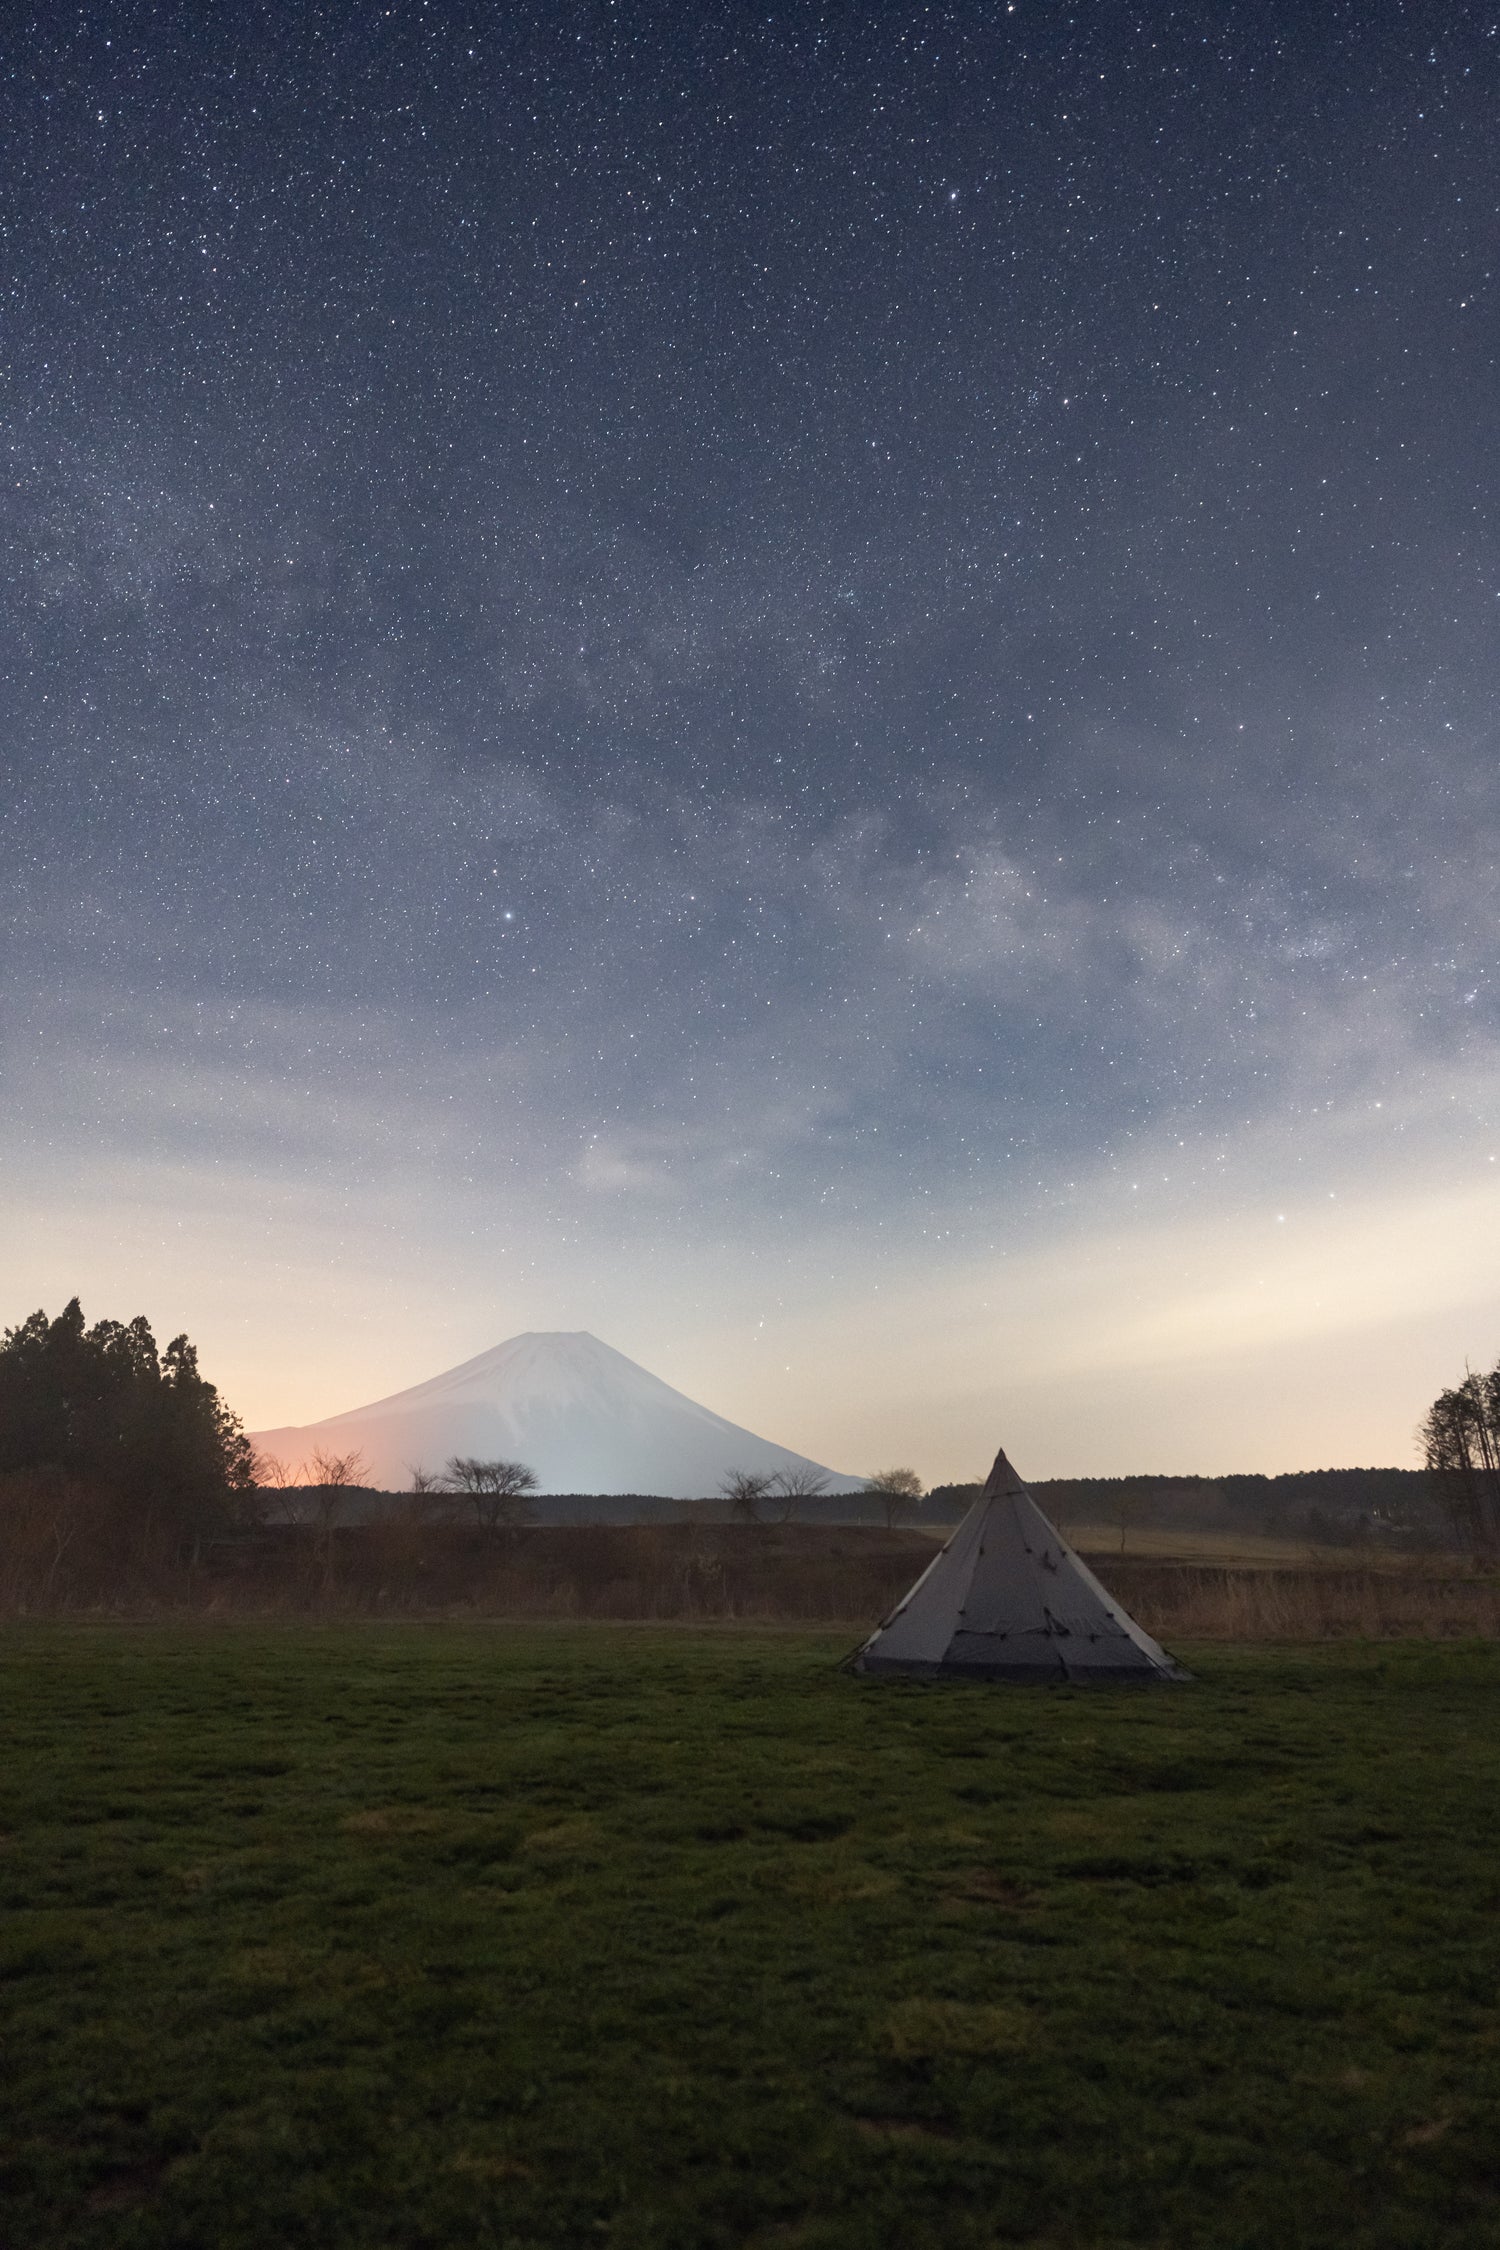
column 451, row 1935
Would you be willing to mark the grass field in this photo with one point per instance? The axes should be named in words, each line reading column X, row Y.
column 447, row 1935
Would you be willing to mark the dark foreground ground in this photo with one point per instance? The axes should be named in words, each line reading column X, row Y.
column 535, row 1935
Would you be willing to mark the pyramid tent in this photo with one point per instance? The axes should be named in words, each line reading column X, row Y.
column 1007, row 1599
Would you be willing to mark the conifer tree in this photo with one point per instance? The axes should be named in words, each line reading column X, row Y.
column 101, row 1407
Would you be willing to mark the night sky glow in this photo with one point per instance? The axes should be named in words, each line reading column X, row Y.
column 813, row 686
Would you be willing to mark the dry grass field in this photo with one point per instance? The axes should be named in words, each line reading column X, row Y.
column 1198, row 1587
column 1194, row 1602
column 1229, row 1550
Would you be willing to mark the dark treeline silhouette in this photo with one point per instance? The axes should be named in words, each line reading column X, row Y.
column 112, row 1452
column 1334, row 1507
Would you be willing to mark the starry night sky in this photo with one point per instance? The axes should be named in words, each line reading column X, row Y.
column 815, row 686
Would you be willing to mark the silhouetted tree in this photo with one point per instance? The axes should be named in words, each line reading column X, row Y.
column 788, row 1486
column 276, row 1481
column 331, row 1477
column 1460, row 1435
column 102, row 1408
column 745, row 1492
column 429, row 1498
column 900, row 1490
column 498, row 1491
column 1125, row 1504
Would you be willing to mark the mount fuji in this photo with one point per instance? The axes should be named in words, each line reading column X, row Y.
column 582, row 1415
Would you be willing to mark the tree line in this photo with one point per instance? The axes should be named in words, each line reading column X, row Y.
column 1460, row 1435
column 755, row 1498
column 110, row 1443
column 500, row 1492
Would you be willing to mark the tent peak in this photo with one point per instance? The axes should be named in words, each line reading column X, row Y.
column 1002, row 1479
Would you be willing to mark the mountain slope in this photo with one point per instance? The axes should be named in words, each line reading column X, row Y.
column 585, row 1417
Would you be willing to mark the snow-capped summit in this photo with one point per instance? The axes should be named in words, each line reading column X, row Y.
column 585, row 1417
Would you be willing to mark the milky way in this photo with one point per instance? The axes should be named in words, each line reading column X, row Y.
column 813, row 687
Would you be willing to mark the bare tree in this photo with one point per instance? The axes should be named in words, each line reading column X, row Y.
column 427, row 1498
column 330, row 1480
column 331, row 1477
column 788, row 1486
column 276, row 1480
column 1125, row 1504
column 745, row 1492
column 49, row 1523
column 498, row 1491
column 59, row 1510
column 900, row 1490
column 62, row 1522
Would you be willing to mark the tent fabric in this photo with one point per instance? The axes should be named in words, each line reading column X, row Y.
column 1007, row 1599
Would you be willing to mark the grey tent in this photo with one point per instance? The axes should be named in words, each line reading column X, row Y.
column 1007, row 1599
